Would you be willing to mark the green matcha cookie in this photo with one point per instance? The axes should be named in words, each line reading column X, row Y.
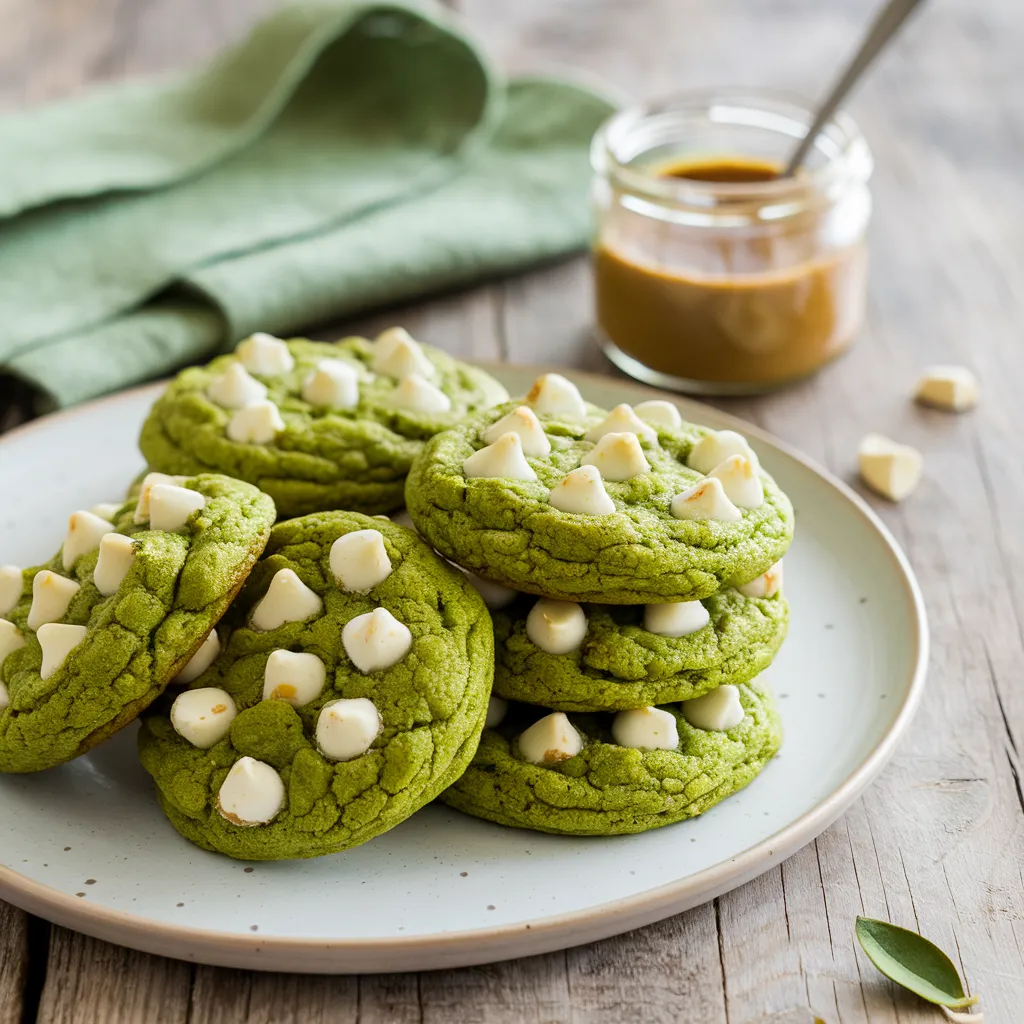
column 351, row 689
column 315, row 425
column 90, row 639
column 603, row 774
column 569, row 657
column 558, row 498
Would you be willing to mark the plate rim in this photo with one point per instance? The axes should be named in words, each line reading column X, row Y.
column 524, row 938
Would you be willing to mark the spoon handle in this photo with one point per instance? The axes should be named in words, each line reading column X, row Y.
column 884, row 27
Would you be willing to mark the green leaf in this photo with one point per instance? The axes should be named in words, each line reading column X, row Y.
column 912, row 961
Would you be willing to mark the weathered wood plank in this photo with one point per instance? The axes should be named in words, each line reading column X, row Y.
column 14, row 956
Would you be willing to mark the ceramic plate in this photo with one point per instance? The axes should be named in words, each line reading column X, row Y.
column 85, row 844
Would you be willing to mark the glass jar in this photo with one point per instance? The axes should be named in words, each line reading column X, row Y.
column 712, row 274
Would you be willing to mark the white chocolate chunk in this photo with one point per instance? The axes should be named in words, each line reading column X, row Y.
column 582, row 491
column 259, row 423
column 891, row 469
column 294, row 677
column 417, row 394
column 117, row 553
column 388, row 339
column 679, row 619
column 740, row 481
column 497, row 708
column 359, row 561
column 953, row 388
column 107, row 509
column 554, row 395
column 11, row 584
column 556, row 627
column 400, row 357
column 715, row 448
column 287, row 599
column 203, row 716
column 376, row 640
column 10, row 639
column 646, row 729
column 235, row 388
column 622, row 420
column 768, row 584
column 618, row 457
column 51, row 595
column 716, row 711
column 171, row 507
column 522, row 421
column 149, row 481
column 504, row 458
column 201, row 660
column 334, row 383
column 659, row 414
column 346, row 728
column 494, row 594
column 252, row 793
column 265, row 355
column 706, row 500
column 549, row 740
column 57, row 640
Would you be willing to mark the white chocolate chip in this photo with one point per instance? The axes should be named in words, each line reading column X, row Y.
column 235, row 388
column 10, row 639
column 706, row 500
column 716, row 711
column 117, row 553
column 85, row 531
column 51, row 595
column 556, row 627
column 265, row 355
column 622, row 420
column 554, row 395
column 107, row 509
column 417, row 394
column 953, row 388
column 171, row 507
column 740, row 481
column 497, row 708
column 11, row 584
column 549, row 740
column 259, row 423
column 251, row 794
column 201, row 660
column 149, row 481
column 346, row 728
column 334, row 383
column 679, row 619
column 768, row 584
column 504, row 458
column 57, row 641
column 294, row 677
column 287, row 599
column 618, row 457
column 388, row 339
column 359, row 561
column 494, row 594
column 659, row 414
column 522, row 421
column 716, row 447
column 582, row 491
column 401, row 356
column 203, row 716
column 891, row 469
column 646, row 729
column 376, row 640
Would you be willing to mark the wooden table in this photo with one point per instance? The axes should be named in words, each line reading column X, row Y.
column 937, row 843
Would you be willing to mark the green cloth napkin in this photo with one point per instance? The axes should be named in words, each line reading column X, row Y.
column 345, row 155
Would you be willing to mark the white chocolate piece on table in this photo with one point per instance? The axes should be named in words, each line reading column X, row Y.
column 716, row 447
column 264, row 355
column 359, row 561
column 11, row 583
column 346, row 728
column 259, row 423
column 57, row 641
column 334, row 383
column 149, row 481
column 522, row 421
column 618, row 457
column 740, row 481
column 294, row 677
column 646, row 729
column 556, row 627
column 376, row 640
column 554, row 395
column 582, row 491
column 622, row 420
column 251, row 794
column 235, row 388
column 679, row 619
column 107, row 509
column 504, row 458
column 706, row 500
column 203, row 716
column 117, row 553
column 716, row 711
column 10, row 639
column 549, row 740
column 416, row 393
column 891, row 469
column 953, row 388
column 51, row 595
column 497, row 708
column 401, row 357
column 201, row 660
column 287, row 599
column 659, row 413
column 768, row 584
column 171, row 507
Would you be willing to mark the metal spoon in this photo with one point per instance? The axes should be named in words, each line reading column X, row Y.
column 884, row 27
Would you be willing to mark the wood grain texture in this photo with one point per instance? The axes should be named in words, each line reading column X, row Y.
column 937, row 843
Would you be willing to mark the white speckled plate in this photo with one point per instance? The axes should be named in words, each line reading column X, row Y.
column 85, row 844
